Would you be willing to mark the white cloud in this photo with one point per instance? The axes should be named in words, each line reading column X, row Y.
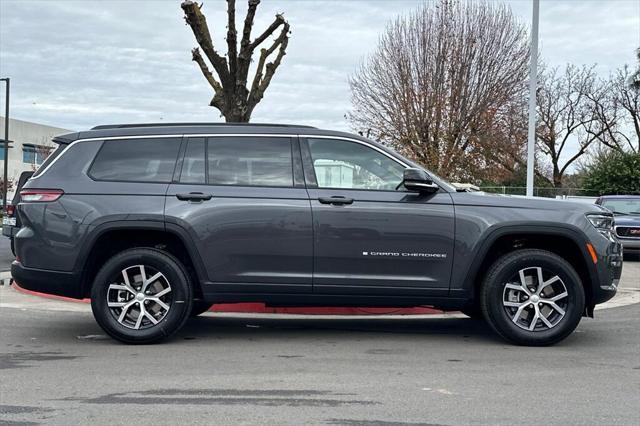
column 77, row 64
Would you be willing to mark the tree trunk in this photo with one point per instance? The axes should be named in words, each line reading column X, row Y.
column 557, row 177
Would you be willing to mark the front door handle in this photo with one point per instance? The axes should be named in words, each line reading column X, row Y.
column 194, row 196
column 336, row 200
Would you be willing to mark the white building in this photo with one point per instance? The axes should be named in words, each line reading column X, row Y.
column 31, row 143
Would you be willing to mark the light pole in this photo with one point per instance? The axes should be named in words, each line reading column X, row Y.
column 533, row 83
column 6, row 145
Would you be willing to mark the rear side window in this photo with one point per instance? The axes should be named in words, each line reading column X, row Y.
column 250, row 161
column 136, row 160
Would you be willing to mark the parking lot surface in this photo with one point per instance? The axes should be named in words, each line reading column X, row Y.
column 57, row 367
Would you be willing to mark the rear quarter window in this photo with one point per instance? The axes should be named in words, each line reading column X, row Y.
column 56, row 152
column 136, row 160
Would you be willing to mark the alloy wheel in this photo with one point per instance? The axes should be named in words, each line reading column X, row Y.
column 535, row 299
column 140, row 297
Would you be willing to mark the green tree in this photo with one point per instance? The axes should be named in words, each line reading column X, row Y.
column 614, row 172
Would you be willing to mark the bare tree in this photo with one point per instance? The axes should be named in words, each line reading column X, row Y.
column 567, row 117
column 443, row 83
column 618, row 111
column 231, row 95
column 634, row 81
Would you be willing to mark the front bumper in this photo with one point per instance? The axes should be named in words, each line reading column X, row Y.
column 609, row 270
column 46, row 281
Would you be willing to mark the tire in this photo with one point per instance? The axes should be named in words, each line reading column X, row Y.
column 110, row 287
column 200, row 307
column 511, row 310
column 13, row 247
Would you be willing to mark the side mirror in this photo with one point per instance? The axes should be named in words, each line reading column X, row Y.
column 417, row 180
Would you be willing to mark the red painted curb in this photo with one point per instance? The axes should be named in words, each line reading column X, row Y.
column 47, row 296
column 260, row 308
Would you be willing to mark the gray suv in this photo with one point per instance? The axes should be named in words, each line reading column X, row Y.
column 157, row 222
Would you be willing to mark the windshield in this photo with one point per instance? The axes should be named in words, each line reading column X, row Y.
column 623, row 206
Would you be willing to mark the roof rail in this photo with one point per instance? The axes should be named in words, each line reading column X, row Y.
column 127, row 126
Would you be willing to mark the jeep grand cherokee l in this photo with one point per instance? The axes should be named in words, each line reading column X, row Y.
column 156, row 222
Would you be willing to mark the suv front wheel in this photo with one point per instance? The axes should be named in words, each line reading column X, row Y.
column 141, row 296
column 532, row 297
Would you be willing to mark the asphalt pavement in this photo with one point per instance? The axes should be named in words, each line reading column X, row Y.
column 58, row 367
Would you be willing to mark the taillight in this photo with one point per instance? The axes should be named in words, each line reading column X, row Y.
column 11, row 209
column 40, row 195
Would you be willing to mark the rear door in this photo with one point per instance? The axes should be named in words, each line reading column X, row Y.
column 371, row 237
column 243, row 202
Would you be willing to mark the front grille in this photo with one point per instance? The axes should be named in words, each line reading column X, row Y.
column 628, row 231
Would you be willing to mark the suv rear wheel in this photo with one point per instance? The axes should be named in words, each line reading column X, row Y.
column 141, row 296
column 532, row 297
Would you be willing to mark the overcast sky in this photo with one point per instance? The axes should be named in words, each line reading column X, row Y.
column 76, row 64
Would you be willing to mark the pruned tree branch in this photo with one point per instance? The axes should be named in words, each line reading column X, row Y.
column 231, row 95
column 198, row 23
column 232, row 42
column 263, row 78
column 262, row 37
column 218, row 98
column 197, row 57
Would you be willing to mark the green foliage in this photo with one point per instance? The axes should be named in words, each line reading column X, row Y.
column 614, row 173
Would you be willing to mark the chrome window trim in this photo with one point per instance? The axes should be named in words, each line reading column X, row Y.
column 208, row 135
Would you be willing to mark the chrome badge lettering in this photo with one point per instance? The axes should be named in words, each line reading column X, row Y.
column 404, row 254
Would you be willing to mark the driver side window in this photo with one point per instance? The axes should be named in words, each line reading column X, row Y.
column 350, row 165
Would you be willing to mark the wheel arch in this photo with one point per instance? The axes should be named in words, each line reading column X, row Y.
column 567, row 242
column 112, row 237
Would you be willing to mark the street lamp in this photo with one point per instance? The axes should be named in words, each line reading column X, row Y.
column 6, row 145
column 533, row 82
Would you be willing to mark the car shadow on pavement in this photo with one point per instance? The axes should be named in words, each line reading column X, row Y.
column 205, row 327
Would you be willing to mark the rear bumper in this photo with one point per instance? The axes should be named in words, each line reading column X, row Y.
column 57, row 283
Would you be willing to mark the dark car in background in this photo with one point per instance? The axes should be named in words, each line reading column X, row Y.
column 156, row 222
column 626, row 210
column 10, row 220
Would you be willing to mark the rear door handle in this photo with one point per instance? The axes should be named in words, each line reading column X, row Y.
column 335, row 200
column 194, row 196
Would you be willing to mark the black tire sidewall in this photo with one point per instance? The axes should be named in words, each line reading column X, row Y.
column 180, row 287
column 507, row 267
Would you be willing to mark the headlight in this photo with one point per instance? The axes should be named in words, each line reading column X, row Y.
column 602, row 222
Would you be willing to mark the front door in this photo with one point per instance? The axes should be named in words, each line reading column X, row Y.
column 369, row 237
column 245, row 207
